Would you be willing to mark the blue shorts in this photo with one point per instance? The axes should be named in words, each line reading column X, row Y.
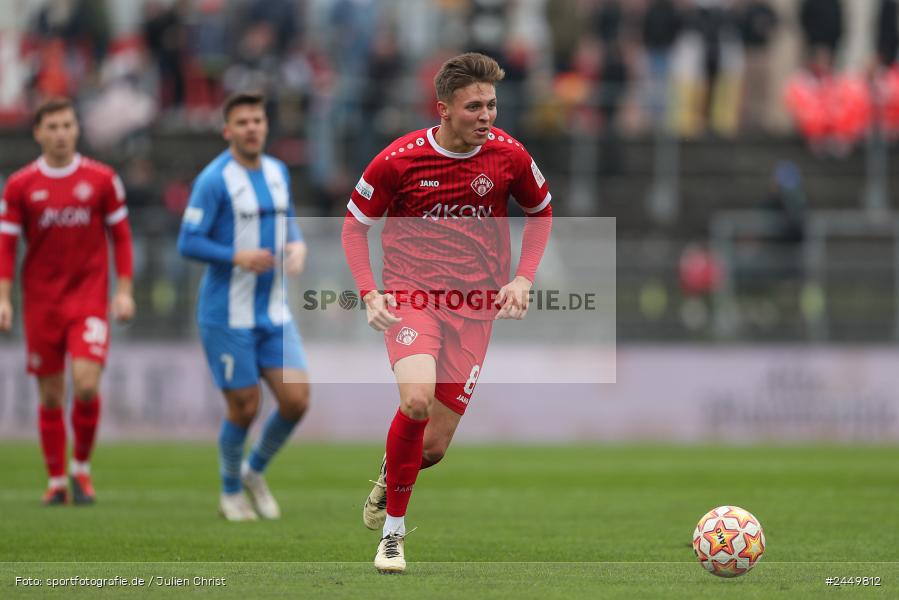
column 237, row 356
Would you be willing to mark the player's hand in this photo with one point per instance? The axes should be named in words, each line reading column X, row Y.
column 257, row 260
column 5, row 315
column 295, row 258
column 123, row 306
column 513, row 299
column 376, row 309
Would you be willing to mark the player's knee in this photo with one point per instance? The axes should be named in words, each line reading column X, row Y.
column 85, row 389
column 416, row 405
column 52, row 398
column 242, row 407
column 296, row 403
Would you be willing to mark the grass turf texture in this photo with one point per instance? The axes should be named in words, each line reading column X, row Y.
column 493, row 522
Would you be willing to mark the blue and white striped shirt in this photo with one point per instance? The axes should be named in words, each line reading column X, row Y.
column 233, row 208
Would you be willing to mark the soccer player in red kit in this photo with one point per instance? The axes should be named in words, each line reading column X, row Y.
column 65, row 205
column 447, row 263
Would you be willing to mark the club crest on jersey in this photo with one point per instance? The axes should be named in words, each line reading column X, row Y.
column 481, row 185
column 429, row 183
column 83, row 191
column 39, row 195
column 406, row 336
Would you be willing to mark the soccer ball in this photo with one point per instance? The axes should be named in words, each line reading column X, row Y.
column 728, row 541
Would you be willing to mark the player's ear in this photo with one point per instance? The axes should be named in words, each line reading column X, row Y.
column 442, row 109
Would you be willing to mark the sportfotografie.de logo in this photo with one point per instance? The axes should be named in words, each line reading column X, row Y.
column 538, row 299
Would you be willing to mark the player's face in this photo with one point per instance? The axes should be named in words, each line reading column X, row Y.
column 246, row 130
column 470, row 114
column 57, row 133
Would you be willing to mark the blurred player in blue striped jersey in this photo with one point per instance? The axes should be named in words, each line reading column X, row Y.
column 239, row 221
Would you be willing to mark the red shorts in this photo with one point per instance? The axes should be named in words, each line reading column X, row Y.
column 49, row 335
column 457, row 344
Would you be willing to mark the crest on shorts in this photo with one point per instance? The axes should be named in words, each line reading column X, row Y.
column 34, row 360
column 481, row 185
column 406, row 336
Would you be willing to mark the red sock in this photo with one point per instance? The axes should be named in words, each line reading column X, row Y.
column 52, row 429
column 404, row 443
column 85, row 416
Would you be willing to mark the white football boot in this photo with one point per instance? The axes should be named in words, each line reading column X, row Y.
column 256, row 488
column 236, row 507
column 391, row 557
column 374, row 511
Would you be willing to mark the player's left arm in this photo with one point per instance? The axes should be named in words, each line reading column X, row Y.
column 532, row 193
column 295, row 249
column 116, row 219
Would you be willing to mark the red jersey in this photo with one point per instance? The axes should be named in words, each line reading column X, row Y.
column 453, row 234
column 64, row 214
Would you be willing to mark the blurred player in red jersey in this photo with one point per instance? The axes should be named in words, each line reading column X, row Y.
column 447, row 262
column 64, row 205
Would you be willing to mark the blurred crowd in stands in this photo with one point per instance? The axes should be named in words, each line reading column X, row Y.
column 361, row 70
column 356, row 65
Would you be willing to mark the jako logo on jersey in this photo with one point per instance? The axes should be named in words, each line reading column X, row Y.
column 461, row 398
column 365, row 189
column 455, row 211
column 67, row 217
column 481, row 185
column 39, row 195
column 406, row 336
column 429, row 183
column 83, row 191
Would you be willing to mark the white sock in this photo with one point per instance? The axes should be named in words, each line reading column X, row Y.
column 394, row 525
column 79, row 468
column 247, row 470
column 56, row 482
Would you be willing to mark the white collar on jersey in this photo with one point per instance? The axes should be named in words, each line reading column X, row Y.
column 59, row 172
column 441, row 150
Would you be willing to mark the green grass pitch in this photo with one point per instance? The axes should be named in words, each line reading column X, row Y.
column 493, row 522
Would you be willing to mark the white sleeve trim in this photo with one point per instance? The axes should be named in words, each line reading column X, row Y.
column 540, row 206
column 117, row 216
column 10, row 228
column 360, row 216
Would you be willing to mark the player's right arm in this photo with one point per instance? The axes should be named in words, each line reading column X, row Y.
column 195, row 238
column 10, row 228
column 368, row 203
